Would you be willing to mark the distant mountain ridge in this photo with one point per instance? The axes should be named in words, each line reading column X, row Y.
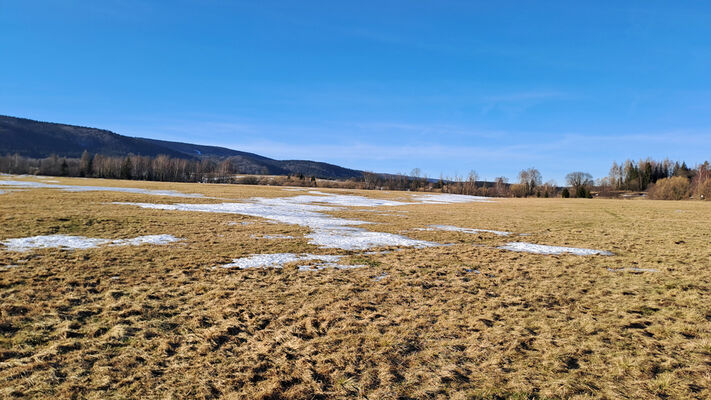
column 38, row 139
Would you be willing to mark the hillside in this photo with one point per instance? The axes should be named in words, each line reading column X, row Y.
column 37, row 139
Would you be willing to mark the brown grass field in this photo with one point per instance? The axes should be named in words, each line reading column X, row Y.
column 159, row 322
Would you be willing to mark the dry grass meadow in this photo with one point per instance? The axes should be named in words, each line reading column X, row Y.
column 161, row 322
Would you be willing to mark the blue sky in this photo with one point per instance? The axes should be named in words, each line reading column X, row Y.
column 388, row 86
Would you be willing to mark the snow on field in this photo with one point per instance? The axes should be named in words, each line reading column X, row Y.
column 76, row 188
column 464, row 230
column 335, row 199
column 543, row 249
column 327, row 231
column 2, row 191
column 449, row 198
column 148, row 239
column 278, row 260
column 80, row 242
column 361, row 239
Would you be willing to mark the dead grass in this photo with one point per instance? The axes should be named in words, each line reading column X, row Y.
column 159, row 322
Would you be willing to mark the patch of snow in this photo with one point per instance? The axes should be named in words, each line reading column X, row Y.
column 277, row 260
column 69, row 242
column 450, row 198
column 334, row 199
column 232, row 223
column 361, row 239
column 465, row 230
column 50, row 241
column 543, row 249
column 10, row 266
column 2, row 191
column 476, row 271
column 148, row 239
column 75, row 188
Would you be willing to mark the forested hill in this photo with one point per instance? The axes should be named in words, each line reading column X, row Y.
column 37, row 139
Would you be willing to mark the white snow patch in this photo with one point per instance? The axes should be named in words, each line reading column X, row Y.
column 8, row 266
column 233, row 223
column 2, row 191
column 69, row 242
column 450, row 198
column 75, row 188
column 278, row 260
column 543, row 249
column 464, row 230
column 360, row 239
column 148, row 239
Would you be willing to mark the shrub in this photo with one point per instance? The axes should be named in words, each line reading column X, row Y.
column 565, row 193
column 519, row 190
column 674, row 188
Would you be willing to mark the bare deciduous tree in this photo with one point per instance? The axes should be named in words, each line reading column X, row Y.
column 530, row 178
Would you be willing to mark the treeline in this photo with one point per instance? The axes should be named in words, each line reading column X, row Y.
column 638, row 176
column 665, row 180
column 159, row 168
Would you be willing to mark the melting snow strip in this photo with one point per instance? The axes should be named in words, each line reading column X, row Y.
column 148, row 239
column 80, row 242
column 278, row 260
column 75, row 188
column 543, row 249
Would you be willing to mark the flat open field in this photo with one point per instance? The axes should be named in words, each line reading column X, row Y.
column 408, row 310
